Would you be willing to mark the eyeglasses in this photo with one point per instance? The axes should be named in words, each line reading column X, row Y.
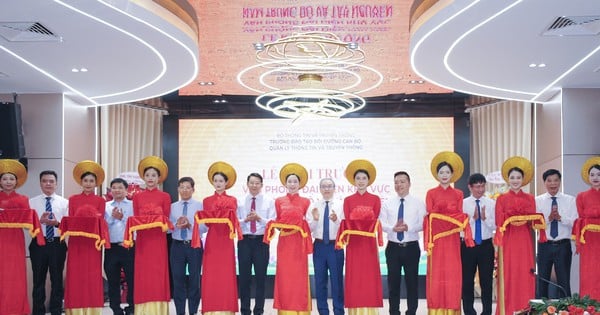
column 327, row 187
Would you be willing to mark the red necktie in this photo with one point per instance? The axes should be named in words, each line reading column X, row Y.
column 253, row 208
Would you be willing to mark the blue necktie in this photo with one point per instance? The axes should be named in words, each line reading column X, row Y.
column 184, row 230
column 49, row 228
column 478, row 223
column 400, row 235
column 554, row 223
column 326, row 223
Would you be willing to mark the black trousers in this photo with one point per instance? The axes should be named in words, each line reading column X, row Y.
column 44, row 259
column 186, row 287
column 115, row 258
column 559, row 255
column 252, row 252
column 397, row 257
column 480, row 257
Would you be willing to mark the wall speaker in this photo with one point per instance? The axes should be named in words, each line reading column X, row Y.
column 12, row 145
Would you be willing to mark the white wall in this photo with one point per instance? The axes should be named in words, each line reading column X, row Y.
column 548, row 144
column 80, row 140
column 566, row 130
column 57, row 133
column 581, row 127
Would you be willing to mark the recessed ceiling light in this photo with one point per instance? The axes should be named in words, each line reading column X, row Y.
column 83, row 70
column 75, row 70
column 259, row 46
column 537, row 65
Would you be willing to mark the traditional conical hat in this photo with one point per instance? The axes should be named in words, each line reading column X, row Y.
column 458, row 167
column 296, row 169
column 154, row 162
column 88, row 166
column 222, row 167
column 585, row 168
column 16, row 168
column 521, row 163
column 360, row 165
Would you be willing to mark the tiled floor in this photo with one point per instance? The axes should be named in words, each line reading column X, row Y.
column 270, row 311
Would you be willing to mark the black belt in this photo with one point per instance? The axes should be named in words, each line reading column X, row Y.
column 318, row 240
column 486, row 241
column 563, row 241
column 116, row 244
column 52, row 239
column 404, row 244
column 188, row 242
column 253, row 236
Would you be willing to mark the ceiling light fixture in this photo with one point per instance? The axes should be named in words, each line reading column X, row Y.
column 536, row 65
column 310, row 75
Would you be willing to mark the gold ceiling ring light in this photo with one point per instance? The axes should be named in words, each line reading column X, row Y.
column 310, row 75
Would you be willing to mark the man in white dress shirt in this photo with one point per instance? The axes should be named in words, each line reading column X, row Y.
column 51, row 208
column 183, row 256
column 481, row 212
column 402, row 219
column 324, row 219
column 118, row 257
column 560, row 212
column 254, row 211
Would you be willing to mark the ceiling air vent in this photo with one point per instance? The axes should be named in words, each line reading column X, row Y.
column 574, row 26
column 26, row 32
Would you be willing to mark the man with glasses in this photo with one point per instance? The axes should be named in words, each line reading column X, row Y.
column 118, row 257
column 481, row 211
column 324, row 220
column 185, row 287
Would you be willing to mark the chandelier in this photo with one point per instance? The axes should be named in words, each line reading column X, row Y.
column 310, row 75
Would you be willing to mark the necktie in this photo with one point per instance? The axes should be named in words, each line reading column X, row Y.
column 49, row 228
column 184, row 231
column 478, row 223
column 253, row 223
column 554, row 223
column 400, row 235
column 326, row 223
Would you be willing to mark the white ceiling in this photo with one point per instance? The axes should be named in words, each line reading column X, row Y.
column 132, row 50
column 486, row 47
column 137, row 50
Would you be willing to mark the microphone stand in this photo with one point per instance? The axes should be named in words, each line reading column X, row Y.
column 537, row 276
